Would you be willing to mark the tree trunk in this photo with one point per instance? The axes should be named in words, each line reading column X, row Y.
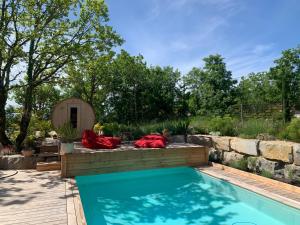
column 4, row 140
column 26, row 116
column 28, row 99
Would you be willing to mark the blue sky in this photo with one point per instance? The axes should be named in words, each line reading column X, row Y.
column 249, row 34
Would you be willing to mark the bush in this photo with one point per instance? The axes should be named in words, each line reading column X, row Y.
column 266, row 174
column 251, row 128
column 225, row 125
column 200, row 125
column 131, row 132
column 292, row 131
column 241, row 164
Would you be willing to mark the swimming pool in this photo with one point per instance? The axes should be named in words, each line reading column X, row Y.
column 176, row 196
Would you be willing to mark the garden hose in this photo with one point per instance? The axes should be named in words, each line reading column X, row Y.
column 9, row 175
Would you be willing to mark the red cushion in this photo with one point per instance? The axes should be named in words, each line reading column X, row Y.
column 91, row 140
column 151, row 141
column 114, row 140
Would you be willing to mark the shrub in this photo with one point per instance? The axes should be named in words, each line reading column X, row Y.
column 67, row 133
column 292, row 131
column 241, row 164
column 251, row 128
column 200, row 125
column 266, row 174
column 225, row 125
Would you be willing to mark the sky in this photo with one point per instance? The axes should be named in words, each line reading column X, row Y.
column 249, row 34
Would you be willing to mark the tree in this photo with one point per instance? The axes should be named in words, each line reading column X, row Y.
column 45, row 97
column 87, row 79
column 286, row 73
column 193, row 81
column 125, row 88
column 212, row 89
column 257, row 92
column 162, row 92
column 12, row 42
column 54, row 32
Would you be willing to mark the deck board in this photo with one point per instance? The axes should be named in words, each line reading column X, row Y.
column 32, row 197
column 282, row 192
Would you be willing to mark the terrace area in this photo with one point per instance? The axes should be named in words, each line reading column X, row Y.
column 31, row 197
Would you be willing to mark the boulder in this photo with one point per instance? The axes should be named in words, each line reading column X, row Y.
column 231, row 156
column 296, row 153
column 277, row 150
column 215, row 155
column 177, row 139
column 221, row 143
column 245, row 146
column 273, row 167
column 292, row 172
column 200, row 140
column 15, row 162
column 252, row 163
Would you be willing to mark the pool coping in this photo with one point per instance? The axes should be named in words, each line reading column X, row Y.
column 215, row 169
column 76, row 215
column 75, row 211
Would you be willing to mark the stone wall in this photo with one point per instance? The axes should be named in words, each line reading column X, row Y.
column 279, row 158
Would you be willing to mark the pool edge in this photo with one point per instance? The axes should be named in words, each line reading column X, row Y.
column 258, row 190
column 75, row 210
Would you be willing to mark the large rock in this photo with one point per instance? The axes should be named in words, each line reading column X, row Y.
column 177, row 139
column 200, row 140
column 221, row 143
column 277, row 150
column 245, row 146
column 252, row 163
column 17, row 162
column 273, row 167
column 296, row 153
column 292, row 172
column 229, row 157
column 215, row 155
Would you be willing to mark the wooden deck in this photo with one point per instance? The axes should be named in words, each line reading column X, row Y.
column 279, row 191
column 34, row 198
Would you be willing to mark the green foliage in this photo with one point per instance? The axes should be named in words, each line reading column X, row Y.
column 251, row 128
column 286, row 74
column 225, row 125
column 211, row 89
column 37, row 124
column 257, row 89
column 67, row 133
column 292, row 131
column 200, row 125
column 179, row 127
column 30, row 141
column 266, row 174
column 241, row 164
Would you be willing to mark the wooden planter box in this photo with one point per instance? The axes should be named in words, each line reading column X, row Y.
column 87, row 162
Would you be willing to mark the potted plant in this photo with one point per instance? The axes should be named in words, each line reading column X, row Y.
column 29, row 146
column 98, row 129
column 67, row 135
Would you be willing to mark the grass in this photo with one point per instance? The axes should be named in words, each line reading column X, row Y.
column 241, row 164
column 266, row 174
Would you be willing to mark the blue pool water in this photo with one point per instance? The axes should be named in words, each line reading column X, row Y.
column 176, row 196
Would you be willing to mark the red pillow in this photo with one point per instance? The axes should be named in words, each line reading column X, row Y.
column 151, row 141
column 91, row 140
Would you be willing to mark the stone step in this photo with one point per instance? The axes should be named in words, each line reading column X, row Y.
column 47, row 166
